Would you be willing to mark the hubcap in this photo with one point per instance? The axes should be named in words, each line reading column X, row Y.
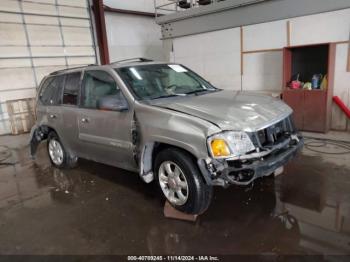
column 173, row 183
column 56, row 152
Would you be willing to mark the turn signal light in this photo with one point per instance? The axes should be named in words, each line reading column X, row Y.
column 219, row 148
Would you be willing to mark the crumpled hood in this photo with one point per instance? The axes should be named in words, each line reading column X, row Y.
column 231, row 110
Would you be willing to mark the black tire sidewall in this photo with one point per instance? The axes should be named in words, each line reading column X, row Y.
column 199, row 195
column 54, row 136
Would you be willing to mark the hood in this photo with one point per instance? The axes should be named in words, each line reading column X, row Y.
column 231, row 110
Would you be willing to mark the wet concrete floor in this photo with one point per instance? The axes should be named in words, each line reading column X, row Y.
column 98, row 209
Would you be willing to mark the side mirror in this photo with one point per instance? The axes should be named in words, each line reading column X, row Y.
column 113, row 103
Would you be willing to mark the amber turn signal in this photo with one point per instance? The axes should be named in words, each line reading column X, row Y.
column 219, row 148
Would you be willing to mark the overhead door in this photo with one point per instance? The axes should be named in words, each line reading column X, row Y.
column 36, row 38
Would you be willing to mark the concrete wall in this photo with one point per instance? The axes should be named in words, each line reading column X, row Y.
column 217, row 55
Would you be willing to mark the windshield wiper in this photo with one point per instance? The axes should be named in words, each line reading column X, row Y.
column 172, row 95
column 200, row 91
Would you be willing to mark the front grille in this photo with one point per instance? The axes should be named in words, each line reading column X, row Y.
column 274, row 134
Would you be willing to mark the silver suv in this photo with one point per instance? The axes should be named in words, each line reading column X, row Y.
column 165, row 122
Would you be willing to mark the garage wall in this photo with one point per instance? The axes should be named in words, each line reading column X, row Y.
column 36, row 38
column 133, row 36
column 260, row 68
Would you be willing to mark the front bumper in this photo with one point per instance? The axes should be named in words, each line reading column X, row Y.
column 243, row 171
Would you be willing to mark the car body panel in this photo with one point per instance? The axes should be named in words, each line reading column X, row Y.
column 231, row 110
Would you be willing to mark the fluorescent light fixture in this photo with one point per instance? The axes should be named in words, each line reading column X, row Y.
column 135, row 73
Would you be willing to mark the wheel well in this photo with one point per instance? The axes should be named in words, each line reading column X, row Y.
column 46, row 130
column 158, row 147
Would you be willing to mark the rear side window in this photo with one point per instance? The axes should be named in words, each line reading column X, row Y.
column 50, row 93
column 71, row 88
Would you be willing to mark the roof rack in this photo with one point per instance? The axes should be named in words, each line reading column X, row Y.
column 70, row 68
column 139, row 59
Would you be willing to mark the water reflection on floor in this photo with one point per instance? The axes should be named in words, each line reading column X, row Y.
column 97, row 209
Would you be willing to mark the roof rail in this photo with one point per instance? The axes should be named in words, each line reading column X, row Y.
column 140, row 59
column 70, row 68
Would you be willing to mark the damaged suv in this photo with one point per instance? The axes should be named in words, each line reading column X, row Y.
column 165, row 122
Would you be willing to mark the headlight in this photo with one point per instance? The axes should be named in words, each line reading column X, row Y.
column 229, row 144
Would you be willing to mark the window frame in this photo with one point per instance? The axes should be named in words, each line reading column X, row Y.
column 82, row 88
column 50, row 79
column 79, row 89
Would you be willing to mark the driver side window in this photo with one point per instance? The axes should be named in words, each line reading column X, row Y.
column 96, row 85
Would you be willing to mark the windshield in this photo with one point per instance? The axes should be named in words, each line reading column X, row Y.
column 163, row 80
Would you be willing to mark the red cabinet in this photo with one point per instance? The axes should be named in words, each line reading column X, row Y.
column 312, row 108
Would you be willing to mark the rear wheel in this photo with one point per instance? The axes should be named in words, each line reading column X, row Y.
column 59, row 157
column 180, row 181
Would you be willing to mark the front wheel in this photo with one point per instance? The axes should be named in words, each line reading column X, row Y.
column 181, row 182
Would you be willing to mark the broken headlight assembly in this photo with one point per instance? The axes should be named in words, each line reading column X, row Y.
column 229, row 144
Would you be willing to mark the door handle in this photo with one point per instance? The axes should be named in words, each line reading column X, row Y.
column 85, row 120
column 52, row 116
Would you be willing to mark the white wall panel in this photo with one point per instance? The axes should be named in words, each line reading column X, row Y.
column 16, row 78
column 42, row 1
column 13, row 51
column 37, row 19
column 9, row 5
column 321, row 28
column 79, row 51
column 73, row 11
column 29, row 7
column 10, row 18
column 133, row 36
column 12, row 34
column 214, row 55
column 44, row 51
column 265, row 36
column 16, row 62
column 75, row 22
column 77, row 36
column 75, row 61
column 136, row 5
column 79, row 3
column 44, row 35
column 49, row 62
column 263, row 71
column 341, row 87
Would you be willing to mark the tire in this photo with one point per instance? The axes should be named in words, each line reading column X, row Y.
column 60, row 159
column 196, row 196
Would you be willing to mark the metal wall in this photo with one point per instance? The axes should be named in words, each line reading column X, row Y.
column 36, row 38
column 250, row 57
column 132, row 35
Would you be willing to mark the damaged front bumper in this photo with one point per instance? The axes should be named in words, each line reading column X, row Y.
column 245, row 169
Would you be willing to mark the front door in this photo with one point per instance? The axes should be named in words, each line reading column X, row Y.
column 104, row 136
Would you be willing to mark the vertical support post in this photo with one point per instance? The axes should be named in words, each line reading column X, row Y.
column 61, row 33
column 288, row 33
column 242, row 55
column 101, row 31
column 29, row 48
column 348, row 65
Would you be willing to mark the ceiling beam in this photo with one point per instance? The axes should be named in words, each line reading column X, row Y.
column 235, row 13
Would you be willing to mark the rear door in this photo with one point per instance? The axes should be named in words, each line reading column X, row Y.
column 104, row 136
column 69, row 109
column 50, row 96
